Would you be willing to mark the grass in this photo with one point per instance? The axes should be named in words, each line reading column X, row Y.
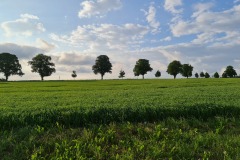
column 120, row 119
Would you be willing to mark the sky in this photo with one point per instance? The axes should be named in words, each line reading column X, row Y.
column 203, row 33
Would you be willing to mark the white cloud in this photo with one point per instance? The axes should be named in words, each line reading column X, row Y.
column 44, row 45
column 168, row 38
column 173, row 6
column 26, row 25
column 74, row 58
column 202, row 7
column 28, row 16
column 209, row 25
column 151, row 19
column 204, row 38
column 68, row 61
column 98, row 8
column 104, row 37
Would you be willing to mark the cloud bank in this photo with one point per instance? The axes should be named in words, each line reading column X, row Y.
column 26, row 25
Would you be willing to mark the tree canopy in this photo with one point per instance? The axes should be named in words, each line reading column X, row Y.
column 9, row 65
column 216, row 75
column 74, row 74
column 224, row 75
column 174, row 68
column 142, row 67
column 42, row 64
column 206, row 75
column 202, row 74
column 196, row 75
column 186, row 70
column 158, row 74
column 102, row 65
column 121, row 74
column 230, row 72
column 136, row 74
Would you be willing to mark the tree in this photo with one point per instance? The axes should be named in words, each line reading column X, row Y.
column 196, row 75
column 224, row 75
column 230, row 72
column 102, row 65
column 121, row 74
column 207, row 75
column 174, row 68
column 158, row 74
column 74, row 74
column 9, row 65
column 42, row 64
column 142, row 67
column 136, row 74
column 186, row 70
column 216, row 75
column 202, row 74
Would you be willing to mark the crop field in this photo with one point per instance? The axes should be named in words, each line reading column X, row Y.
column 120, row 119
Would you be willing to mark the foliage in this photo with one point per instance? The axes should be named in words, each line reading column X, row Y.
column 142, row 67
column 102, row 65
column 186, row 70
column 2, row 79
column 42, row 64
column 216, row 75
column 230, row 72
column 202, row 74
column 74, row 74
column 121, row 74
column 196, row 75
column 174, row 68
column 216, row 138
column 158, row 74
column 136, row 74
column 9, row 65
column 224, row 75
column 206, row 75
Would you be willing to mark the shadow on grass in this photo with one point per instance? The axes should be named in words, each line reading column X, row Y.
column 100, row 115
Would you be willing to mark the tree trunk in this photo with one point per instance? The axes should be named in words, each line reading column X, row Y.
column 42, row 78
column 174, row 76
column 143, row 76
column 101, row 76
column 6, row 78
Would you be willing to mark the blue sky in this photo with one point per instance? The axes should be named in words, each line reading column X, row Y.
column 203, row 33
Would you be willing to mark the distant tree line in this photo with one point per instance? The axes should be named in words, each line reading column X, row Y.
column 41, row 64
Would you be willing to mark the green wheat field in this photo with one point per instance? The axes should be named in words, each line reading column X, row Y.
column 120, row 119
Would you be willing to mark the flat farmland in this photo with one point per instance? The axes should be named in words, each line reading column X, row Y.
column 120, row 119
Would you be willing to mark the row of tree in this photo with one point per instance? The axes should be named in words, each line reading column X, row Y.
column 9, row 65
column 41, row 64
column 175, row 67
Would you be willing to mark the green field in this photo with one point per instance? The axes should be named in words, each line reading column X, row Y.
column 120, row 119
